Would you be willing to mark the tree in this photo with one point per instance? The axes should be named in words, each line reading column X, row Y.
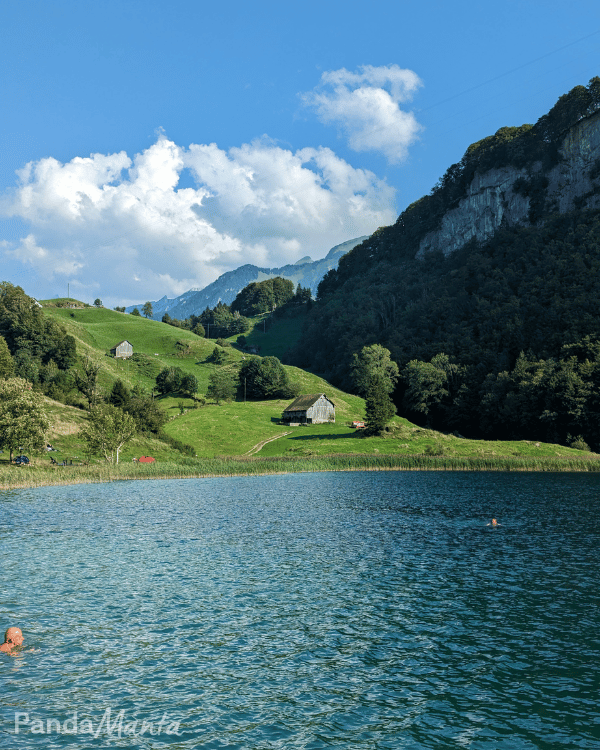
column 189, row 385
column 23, row 420
column 303, row 295
column 169, row 380
column 198, row 329
column 426, row 386
column 148, row 415
column 265, row 377
column 147, row 309
column 29, row 333
column 136, row 312
column 218, row 356
column 263, row 296
column 119, row 395
column 373, row 361
column 86, row 381
column 222, row 384
column 379, row 408
column 7, row 366
column 108, row 430
column 97, row 302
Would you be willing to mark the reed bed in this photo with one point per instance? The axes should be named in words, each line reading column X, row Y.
column 14, row 477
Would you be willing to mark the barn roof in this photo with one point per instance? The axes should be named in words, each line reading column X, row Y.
column 305, row 402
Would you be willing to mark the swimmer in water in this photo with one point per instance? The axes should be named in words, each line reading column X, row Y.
column 494, row 523
column 13, row 640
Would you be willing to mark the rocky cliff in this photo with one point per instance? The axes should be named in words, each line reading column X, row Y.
column 505, row 196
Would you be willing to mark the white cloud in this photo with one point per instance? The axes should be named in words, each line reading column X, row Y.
column 119, row 228
column 366, row 106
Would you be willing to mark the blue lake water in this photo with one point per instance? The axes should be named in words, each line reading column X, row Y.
column 338, row 610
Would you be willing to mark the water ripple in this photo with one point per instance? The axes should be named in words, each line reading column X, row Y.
column 308, row 611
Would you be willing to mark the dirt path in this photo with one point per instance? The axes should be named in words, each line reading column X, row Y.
column 260, row 445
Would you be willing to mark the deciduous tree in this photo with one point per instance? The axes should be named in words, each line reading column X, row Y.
column 265, row 377
column 7, row 366
column 108, row 430
column 86, row 380
column 222, row 384
column 373, row 361
column 169, row 380
column 23, row 419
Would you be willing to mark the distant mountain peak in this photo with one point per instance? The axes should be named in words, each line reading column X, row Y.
column 306, row 272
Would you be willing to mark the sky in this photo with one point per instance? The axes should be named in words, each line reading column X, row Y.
column 147, row 147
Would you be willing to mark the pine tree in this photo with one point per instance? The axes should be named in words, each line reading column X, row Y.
column 379, row 408
column 119, row 395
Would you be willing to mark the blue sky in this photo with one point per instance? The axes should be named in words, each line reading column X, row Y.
column 149, row 147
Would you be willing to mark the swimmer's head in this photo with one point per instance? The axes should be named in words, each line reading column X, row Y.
column 13, row 636
column 494, row 522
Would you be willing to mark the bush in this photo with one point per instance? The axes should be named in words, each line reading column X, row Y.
column 218, row 356
column 579, row 444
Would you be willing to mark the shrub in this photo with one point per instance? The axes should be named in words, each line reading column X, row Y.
column 579, row 444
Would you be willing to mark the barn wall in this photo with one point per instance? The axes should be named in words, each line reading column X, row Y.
column 322, row 411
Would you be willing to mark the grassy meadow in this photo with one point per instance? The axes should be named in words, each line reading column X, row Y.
column 245, row 437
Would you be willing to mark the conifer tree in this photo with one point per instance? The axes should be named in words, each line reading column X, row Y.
column 379, row 408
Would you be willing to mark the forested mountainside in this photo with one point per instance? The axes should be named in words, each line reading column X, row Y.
column 487, row 290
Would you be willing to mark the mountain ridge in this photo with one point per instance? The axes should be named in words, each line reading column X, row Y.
column 305, row 271
column 487, row 290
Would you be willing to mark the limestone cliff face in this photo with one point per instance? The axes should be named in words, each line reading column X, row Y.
column 497, row 198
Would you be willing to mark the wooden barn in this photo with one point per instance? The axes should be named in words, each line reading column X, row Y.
column 311, row 409
column 123, row 350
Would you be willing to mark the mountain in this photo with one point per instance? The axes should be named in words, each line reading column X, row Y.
column 487, row 290
column 305, row 271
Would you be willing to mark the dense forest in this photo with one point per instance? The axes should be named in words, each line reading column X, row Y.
column 499, row 339
column 36, row 348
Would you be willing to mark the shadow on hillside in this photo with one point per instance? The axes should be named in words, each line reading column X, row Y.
column 335, row 436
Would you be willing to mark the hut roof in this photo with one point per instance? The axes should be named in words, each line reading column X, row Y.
column 305, row 402
column 122, row 342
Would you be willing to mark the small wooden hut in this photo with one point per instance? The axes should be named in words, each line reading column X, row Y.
column 314, row 408
column 122, row 350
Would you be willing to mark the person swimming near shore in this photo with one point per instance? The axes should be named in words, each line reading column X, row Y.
column 13, row 640
column 493, row 522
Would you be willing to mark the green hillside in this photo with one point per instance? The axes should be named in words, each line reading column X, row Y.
column 238, row 428
column 211, row 429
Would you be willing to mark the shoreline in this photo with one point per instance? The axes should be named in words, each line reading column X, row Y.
column 28, row 477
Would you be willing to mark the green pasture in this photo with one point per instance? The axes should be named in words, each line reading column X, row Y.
column 251, row 428
column 155, row 345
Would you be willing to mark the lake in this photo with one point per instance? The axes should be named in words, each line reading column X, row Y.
column 337, row 610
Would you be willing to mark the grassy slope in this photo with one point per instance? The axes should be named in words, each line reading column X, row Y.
column 234, row 429
column 281, row 334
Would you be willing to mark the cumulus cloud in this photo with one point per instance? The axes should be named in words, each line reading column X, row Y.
column 367, row 107
column 121, row 228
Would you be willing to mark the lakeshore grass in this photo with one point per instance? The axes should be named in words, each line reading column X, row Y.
column 15, row 477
